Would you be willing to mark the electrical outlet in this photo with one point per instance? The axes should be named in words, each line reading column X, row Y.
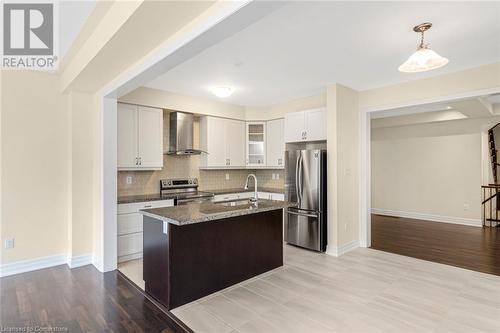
column 129, row 180
column 227, row 176
column 466, row 206
column 9, row 243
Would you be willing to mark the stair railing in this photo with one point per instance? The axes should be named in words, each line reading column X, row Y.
column 491, row 204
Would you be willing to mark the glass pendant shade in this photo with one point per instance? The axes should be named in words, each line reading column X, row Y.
column 424, row 59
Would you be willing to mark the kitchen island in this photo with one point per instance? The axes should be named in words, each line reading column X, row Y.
column 193, row 250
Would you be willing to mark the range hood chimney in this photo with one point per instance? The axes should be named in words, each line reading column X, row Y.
column 181, row 134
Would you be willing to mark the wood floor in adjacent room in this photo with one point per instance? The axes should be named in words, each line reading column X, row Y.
column 463, row 246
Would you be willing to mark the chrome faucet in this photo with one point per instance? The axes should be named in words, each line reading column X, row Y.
column 255, row 195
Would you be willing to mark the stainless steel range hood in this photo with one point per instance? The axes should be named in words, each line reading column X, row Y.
column 181, row 134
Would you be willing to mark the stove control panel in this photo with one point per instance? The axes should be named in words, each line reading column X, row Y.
column 178, row 183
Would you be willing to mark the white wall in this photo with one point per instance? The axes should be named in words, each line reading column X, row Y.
column 432, row 169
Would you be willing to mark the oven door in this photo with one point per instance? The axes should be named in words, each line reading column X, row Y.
column 303, row 228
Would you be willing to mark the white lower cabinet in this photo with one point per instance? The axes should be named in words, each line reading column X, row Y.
column 129, row 227
column 272, row 196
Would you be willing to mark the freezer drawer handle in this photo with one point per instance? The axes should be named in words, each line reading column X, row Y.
column 301, row 214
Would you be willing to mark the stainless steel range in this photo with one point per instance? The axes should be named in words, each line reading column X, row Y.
column 183, row 190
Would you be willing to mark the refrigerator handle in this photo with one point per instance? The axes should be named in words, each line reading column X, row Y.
column 301, row 160
column 297, row 162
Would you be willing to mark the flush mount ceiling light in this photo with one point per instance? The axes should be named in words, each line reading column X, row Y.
column 424, row 59
column 222, row 91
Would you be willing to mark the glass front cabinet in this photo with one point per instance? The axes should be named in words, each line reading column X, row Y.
column 256, row 144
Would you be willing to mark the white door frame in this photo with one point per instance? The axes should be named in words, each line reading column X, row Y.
column 365, row 147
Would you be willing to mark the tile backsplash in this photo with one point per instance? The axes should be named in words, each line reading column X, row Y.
column 148, row 182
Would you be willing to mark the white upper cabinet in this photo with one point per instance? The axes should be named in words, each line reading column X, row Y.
column 295, row 126
column 275, row 143
column 140, row 138
column 224, row 140
column 308, row 125
column 256, row 144
column 213, row 141
column 315, row 124
column 127, row 136
column 150, row 141
column 235, row 143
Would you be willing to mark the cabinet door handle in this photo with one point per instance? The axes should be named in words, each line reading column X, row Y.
column 140, row 160
column 136, row 161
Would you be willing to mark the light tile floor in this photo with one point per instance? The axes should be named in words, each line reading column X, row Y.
column 362, row 291
column 133, row 270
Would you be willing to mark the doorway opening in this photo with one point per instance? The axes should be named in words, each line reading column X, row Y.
column 429, row 166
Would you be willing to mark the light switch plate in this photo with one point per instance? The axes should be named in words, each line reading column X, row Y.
column 274, row 176
column 227, row 176
column 277, row 176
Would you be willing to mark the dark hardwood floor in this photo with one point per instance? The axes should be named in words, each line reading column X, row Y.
column 80, row 300
column 468, row 247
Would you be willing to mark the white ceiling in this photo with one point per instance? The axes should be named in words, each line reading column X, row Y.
column 72, row 16
column 298, row 49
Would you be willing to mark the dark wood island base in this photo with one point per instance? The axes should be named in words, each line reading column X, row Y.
column 194, row 260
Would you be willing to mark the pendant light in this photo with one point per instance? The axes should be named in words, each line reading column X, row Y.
column 424, row 59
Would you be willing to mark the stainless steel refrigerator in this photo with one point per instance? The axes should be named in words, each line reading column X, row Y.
column 305, row 184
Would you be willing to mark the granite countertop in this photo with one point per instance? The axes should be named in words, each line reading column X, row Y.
column 241, row 190
column 156, row 196
column 205, row 211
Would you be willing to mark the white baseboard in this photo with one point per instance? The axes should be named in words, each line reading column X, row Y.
column 32, row 264
column 130, row 257
column 429, row 217
column 82, row 260
column 24, row 266
column 97, row 262
column 337, row 251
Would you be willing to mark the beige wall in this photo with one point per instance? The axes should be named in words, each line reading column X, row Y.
column 431, row 169
column 279, row 110
column 425, row 90
column 81, row 174
column 172, row 101
column 343, row 166
column 34, row 172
